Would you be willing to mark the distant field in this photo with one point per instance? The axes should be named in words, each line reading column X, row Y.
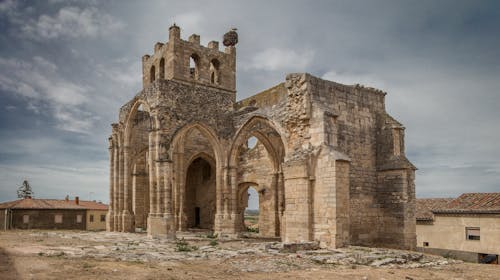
column 252, row 219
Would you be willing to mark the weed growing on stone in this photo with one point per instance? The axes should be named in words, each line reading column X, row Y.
column 183, row 246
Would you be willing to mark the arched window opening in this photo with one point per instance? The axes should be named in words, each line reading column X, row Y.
column 214, row 71
column 252, row 142
column 162, row 69
column 251, row 216
column 152, row 74
column 193, row 66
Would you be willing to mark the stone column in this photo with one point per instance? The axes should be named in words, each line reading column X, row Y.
column 281, row 202
column 162, row 224
column 168, row 188
column 128, row 218
column 232, row 188
column 110, row 215
column 275, row 187
column 297, row 217
column 120, row 188
column 226, row 218
column 116, row 220
column 152, row 179
column 159, row 174
column 168, row 221
column 177, row 176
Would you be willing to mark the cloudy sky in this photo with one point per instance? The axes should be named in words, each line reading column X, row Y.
column 67, row 66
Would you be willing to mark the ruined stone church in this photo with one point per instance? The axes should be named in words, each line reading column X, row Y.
column 328, row 165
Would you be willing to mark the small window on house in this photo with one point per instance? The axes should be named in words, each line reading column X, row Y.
column 26, row 219
column 472, row 233
column 58, row 218
column 103, row 218
column 91, row 218
column 426, row 244
column 78, row 219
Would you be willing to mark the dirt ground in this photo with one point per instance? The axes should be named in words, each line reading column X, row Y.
column 25, row 255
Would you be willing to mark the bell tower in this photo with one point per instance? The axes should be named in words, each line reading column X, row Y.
column 190, row 62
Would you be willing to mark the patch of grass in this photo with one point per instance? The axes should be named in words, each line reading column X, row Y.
column 214, row 243
column 253, row 229
column 40, row 254
column 183, row 246
column 212, row 235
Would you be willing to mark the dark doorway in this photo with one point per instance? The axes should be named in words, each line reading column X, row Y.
column 197, row 216
column 200, row 194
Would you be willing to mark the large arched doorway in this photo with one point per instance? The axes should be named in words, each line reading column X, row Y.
column 257, row 155
column 196, row 192
column 200, row 194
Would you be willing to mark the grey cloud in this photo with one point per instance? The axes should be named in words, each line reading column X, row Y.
column 438, row 61
column 38, row 80
column 67, row 22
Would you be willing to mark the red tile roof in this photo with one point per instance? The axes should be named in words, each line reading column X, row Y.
column 473, row 203
column 31, row 203
column 425, row 207
column 92, row 205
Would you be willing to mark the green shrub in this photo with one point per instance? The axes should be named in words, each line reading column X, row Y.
column 183, row 246
column 212, row 235
column 253, row 229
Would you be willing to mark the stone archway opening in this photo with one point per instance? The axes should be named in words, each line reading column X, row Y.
column 196, row 196
column 258, row 155
column 200, row 195
column 250, row 208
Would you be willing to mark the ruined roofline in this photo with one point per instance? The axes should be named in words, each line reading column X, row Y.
column 281, row 88
column 341, row 86
column 278, row 91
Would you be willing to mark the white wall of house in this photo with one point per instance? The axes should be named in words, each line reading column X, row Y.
column 449, row 232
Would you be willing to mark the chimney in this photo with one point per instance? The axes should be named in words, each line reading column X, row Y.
column 77, row 200
column 66, row 198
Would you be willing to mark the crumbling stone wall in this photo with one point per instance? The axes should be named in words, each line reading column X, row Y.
column 329, row 167
column 255, row 170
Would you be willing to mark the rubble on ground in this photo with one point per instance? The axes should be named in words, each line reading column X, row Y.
column 242, row 254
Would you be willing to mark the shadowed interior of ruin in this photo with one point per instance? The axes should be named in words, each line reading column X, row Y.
column 200, row 195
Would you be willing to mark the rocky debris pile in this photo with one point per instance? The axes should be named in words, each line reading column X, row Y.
column 375, row 257
column 242, row 254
